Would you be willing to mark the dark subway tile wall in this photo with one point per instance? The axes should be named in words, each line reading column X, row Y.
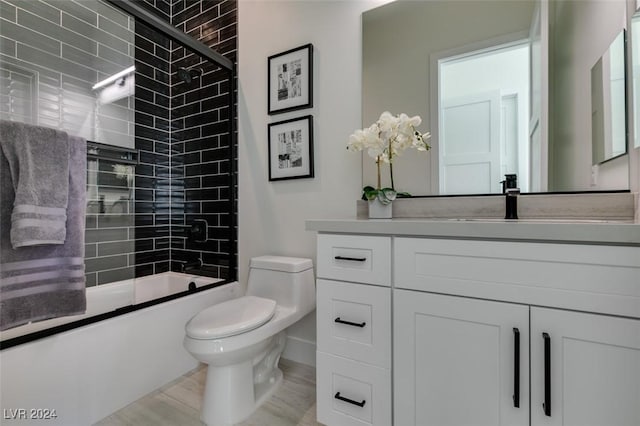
column 200, row 138
column 182, row 136
column 149, row 255
column 138, row 219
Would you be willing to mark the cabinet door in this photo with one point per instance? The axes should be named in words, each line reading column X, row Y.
column 591, row 372
column 455, row 361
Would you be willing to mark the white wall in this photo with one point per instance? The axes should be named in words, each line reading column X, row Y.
column 271, row 215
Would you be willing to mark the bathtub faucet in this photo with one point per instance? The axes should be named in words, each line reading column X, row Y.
column 185, row 266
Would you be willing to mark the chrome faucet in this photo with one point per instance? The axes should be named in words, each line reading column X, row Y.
column 511, row 203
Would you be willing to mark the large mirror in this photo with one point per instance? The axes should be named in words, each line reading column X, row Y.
column 504, row 86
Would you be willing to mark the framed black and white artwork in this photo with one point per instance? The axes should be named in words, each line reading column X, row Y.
column 291, row 80
column 291, row 149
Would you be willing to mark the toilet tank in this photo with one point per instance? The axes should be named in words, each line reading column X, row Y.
column 287, row 280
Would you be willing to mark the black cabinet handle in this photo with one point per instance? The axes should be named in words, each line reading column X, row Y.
column 355, row 324
column 516, row 367
column 352, row 259
column 350, row 401
column 546, row 405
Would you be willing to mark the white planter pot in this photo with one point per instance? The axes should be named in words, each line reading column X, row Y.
column 377, row 210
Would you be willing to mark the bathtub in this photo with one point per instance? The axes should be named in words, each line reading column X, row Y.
column 88, row 372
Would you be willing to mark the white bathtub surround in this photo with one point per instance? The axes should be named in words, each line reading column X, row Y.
column 89, row 372
column 109, row 297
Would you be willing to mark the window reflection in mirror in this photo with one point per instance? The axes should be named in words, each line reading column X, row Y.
column 608, row 112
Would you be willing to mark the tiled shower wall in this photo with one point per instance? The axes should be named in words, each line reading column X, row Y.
column 153, row 176
column 133, row 241
column 200, row 143
column 185, row 161
column 146, row 225
column 52, row 54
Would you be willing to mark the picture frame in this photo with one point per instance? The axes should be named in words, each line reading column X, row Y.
column 290, row 80
column 291, row 149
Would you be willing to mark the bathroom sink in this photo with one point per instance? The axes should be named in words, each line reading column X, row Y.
column 530, row 220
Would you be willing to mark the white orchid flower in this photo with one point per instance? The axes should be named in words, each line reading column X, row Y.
column 388, row 137
column 357, row 141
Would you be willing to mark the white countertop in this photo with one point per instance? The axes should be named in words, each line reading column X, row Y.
column 547, row 230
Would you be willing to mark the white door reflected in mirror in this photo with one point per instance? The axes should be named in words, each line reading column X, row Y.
column 483, row 118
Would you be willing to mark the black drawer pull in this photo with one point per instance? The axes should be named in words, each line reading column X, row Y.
column 350, row 401
column 352, row 259
column 355, row 324
column 546, row 405
column 516, row 367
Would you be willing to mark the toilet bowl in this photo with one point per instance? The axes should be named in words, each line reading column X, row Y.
column 241, row 340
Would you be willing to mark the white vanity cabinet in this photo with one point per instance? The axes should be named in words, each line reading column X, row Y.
column 460, row 361
column 456, row 363
column 353, row 314
column 591, row 375
column 455, row 355
column 471, row 331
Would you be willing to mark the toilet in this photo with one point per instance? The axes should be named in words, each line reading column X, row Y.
column 242, row 339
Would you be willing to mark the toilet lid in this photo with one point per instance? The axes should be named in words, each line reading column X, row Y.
column 232, row 317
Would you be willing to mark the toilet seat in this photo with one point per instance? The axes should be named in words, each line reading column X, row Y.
column 230, row 318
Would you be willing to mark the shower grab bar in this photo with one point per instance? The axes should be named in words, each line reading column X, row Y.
column 101, row 151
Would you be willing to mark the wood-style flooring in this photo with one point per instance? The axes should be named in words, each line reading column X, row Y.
column 178, row 403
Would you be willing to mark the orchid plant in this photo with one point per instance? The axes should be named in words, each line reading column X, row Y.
column 384, row 140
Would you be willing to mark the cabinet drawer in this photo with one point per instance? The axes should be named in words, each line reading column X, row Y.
column 578, row 277
column 351, row 393
column 354, row 321
column 362, row 259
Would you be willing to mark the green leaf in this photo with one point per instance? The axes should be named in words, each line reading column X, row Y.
column 404, row 195
column 389, row 194
column 369, row 193
column 383, row 199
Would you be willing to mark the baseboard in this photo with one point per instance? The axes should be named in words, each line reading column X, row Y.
column 300, row 350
